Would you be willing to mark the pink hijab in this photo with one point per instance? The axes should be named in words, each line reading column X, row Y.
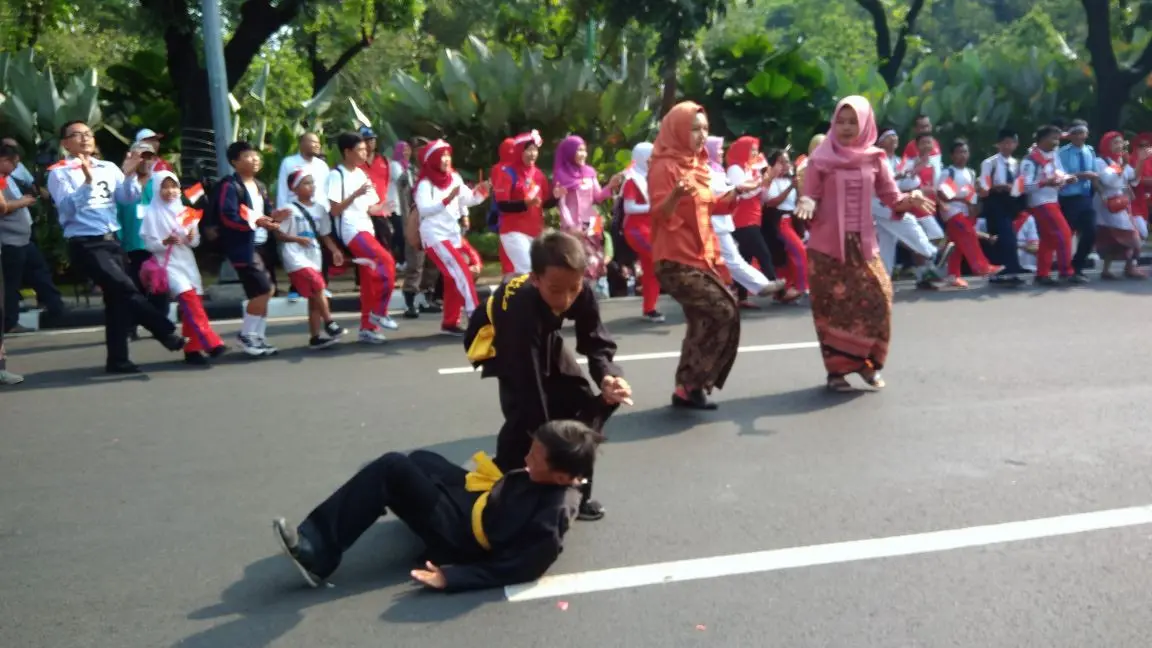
column 862, row 152
column 715, row 147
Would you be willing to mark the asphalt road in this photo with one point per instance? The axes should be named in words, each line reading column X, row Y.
column 135, row 511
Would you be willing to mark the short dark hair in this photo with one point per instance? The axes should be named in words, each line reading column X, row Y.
column 236, row 149
column 923, row 136
column 67, row 125
column 347, row 141
column 557, row 250
column 1047, row 131
column 920, row 116
column 571, row 446
column 773, row 155
column 957, row 143
column 1006, row 133
column 1078, row 122
column 9, row 152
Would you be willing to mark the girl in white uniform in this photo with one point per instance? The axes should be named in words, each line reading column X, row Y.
column 1116, row 236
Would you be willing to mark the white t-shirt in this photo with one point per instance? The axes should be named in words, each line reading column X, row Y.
column 296, row 256
column 342, row 182
column 440, row 222
column 317, row 167
column 779, row 186
column 965, row 181
column 257, row 208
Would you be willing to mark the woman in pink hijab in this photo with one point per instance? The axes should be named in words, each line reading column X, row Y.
column 851, row 293
column 578, row 191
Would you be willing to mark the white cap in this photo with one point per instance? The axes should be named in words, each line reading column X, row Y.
column 143, row 147
column 147, row 133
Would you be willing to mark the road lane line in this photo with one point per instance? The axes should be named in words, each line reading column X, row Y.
column 663, row 355
column 825, row 554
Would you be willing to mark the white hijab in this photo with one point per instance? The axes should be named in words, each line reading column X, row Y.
column 162, row 218
column 638, row 172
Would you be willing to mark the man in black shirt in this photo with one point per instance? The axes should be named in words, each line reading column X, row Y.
column 481, row 529
column 516, row 338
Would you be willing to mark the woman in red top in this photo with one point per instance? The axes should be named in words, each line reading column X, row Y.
column 522, row 194
column 687, row 254
column 748, row 212
column 638, row 226
column 506, row 155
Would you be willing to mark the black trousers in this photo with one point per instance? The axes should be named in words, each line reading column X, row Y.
column 751, row 244
column 3, row 358
column 1081, row 216
column 270, row 255
column 103, row 260
column 399, row 245
column 136, row 259
column 423, row 489
column 24, row 264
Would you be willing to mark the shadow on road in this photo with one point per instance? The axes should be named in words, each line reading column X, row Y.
column 270, row 598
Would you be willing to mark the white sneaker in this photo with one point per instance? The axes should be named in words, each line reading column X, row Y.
column 268, row 348
column 383, row 321
column 371, row 337
column 251, row 345
column 328, row 293
column 9, row 378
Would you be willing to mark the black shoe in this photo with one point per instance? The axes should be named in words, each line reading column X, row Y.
column 219, row 351
column 1077, row 279
column 1045, row 281
column 174, row 342
column 298, row 550
column 696, row 400
column 334, row 330
column 411, row 313
column 122, row 368
column 431, row 308
column 590, row 511
column 318, row 342
column 195, row 358
column 452, row 331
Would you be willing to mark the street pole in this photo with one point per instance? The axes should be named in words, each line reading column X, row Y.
column 590, row 41
column 217, row 81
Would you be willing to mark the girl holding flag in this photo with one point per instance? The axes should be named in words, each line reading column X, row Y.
column 441, row 195
column 1116, row 235
column 956, row 191
column 170, row 231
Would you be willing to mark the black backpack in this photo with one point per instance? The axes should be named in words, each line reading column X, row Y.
column 621, row 252
column 210, row 203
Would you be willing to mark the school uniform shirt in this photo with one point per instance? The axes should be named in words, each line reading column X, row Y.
column 89, row 209
column 1026, row 234
column 722, row 221
column 1115, row 180
column 260, row 236
column 342, row 182
column 965, row 181
column 880, row 211
column 529, row 346
column 912, row 151
column 440, row 222
column 779, row 186
column 999, row 170
column 1077, row 159
column 1037, row 167
column 748, row 211
column 316, row 167
column 298, row 257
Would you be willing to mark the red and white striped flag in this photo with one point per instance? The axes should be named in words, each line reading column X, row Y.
column 194, row 193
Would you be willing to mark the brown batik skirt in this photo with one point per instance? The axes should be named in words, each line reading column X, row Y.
column 710, row 346
column 852, row 309
column 1113, row 243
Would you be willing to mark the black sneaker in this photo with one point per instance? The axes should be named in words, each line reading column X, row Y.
column 590, row 511
column 318, row 342
column 453, row 331
column 122, row 368
column 1045, row 281
column 174, row 342
column 297, row 549
column 218, row 351
column 334, row 330
column 411, row 313
column 696, row 400
column 195, row 358
column 431, row 308
column 1077, row 279
column 655, row 317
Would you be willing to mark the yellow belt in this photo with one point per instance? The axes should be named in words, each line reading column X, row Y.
column 481, row 481
column 481, row 348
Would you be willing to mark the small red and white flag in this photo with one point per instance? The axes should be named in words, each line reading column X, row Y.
column 249, row 216
column 1018, row 187
column 986, row 181
column 948, row 191
column 74, row 163
column 194, row 193
column 190, row 217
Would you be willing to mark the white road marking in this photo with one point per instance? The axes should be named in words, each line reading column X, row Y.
column 215, row 323
column 825, row 554
column 663, row 355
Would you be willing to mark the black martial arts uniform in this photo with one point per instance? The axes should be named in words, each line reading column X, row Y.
column 522, row 523
column 539, row 378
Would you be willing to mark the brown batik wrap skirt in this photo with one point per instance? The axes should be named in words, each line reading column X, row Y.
column 710, row 346
column 852, row 309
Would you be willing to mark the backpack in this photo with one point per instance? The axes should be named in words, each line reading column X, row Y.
column 622, row 252
column 210, row 222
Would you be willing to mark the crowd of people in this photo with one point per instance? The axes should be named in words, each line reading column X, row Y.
column 132, row 229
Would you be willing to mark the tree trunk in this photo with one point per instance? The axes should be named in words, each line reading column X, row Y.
column 890, row 58
column 1113, row 81
column 672, row 51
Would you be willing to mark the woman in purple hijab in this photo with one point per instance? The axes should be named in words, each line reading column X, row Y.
column 576, row 186
column 715, row 147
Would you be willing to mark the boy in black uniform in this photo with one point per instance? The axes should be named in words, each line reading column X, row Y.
column 486, row 529
column 516, row 338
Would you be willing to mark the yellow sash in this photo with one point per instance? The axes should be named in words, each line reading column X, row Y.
column 481, row 348
column 481, row 481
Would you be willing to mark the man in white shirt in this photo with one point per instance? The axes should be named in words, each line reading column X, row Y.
column 352, row 201
column 309, row 159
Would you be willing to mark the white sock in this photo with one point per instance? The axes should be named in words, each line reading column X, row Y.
column 251, row 324
column 262, row 327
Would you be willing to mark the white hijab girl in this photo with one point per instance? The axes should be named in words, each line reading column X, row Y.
column 167, row 238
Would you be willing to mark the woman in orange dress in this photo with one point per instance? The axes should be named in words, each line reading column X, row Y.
column 687, row 255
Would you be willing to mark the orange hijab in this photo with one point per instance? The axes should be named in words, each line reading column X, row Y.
column 672, row 153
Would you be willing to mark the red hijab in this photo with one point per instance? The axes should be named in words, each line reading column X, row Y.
column 520, row 144
column 431, row 156
column 740, row 153
column 507, row 156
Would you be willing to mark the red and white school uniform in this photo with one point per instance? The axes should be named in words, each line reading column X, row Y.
column 517, row 183
column 794, row 270
column 638, row 223
column 160, row 221
column 912, row 152
column 956, row 191
column 442, row 238
column 304, row 262
column 1055, row 235
column 377, row 267
column 894, row 227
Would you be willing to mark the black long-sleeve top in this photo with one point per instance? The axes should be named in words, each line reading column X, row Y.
column 528, row 344
column 525, row 523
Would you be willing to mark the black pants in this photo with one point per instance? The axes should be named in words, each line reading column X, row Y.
column 136, row 259
column 423, row 489
column 24, row 264
column 3, row 358
column 399, row 245
column 1081, row 216
column 751, row 244
column 102, row 259
column 270, row 255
